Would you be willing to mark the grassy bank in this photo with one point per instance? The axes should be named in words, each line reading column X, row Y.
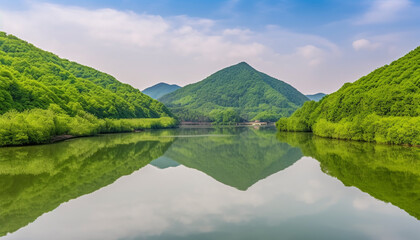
column 371, row 128
column 38, row 126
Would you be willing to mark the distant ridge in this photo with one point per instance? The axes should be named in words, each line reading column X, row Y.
column 316, row 97
column 236, row 93
column 160, row 89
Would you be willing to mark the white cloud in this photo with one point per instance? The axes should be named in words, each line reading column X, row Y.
column 124, row 36
column 362, row 44
column 313, row 54
column 144, row 49
column 384, row 11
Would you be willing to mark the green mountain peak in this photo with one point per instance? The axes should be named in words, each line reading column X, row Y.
column 235, row 93
column 160, row 89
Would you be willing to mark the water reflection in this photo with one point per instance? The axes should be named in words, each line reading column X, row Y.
column 238, row 157
column 37, row 179
column 170, row 199
column 388, row 173
column 164, row 162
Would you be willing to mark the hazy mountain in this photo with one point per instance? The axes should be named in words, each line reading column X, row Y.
column 316, row 97
column 160, row 89
column 164, row 162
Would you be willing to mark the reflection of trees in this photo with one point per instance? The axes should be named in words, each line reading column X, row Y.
column 239, row 159
column 37, row 179
column 388, row 173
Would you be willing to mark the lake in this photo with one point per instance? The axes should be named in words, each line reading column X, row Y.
column 210, row 183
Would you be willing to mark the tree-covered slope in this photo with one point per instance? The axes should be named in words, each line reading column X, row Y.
column 33, row 78
column 234, row 94
column 383, row 106
column 42, row 95
column 160, row 89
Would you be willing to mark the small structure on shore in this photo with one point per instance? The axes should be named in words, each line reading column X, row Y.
column 258, row 123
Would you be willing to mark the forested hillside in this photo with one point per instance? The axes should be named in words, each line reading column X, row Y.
column 237, row 93
column 160, row 89
column 42, row 95
column 33, row 78
column 383, row 106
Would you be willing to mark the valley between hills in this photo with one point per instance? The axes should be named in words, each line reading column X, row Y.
column 44, row 96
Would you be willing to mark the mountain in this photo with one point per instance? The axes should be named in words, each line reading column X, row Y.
column 236, row 93
column 42, row 95
column 383, row 106
column 33, row 78
column 160, row 89
column 316, row 97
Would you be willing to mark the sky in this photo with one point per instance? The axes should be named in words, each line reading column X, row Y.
column 316, row 46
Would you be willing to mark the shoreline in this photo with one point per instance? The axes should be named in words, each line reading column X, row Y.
column 346, row 139
column 232, row 124
column 62, row 138
column 53, row 133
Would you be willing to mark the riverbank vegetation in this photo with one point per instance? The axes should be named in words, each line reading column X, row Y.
column 37, row 126
column 382, row 107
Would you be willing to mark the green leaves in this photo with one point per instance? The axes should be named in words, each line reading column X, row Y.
column 42, row 96
column 39, row 126
column 41, row 78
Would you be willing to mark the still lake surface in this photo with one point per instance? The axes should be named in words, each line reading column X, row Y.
column 209, row 183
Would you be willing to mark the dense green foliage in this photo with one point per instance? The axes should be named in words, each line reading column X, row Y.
column 37, row 179
column 160, row 89
column 388, row 173
column 42, row 96
column 383, row 106
column 316, row 97
column 236, row 93
column 39, row 126
column 238, row 157
column 33, row 78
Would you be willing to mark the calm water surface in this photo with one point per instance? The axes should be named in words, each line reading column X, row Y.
column 209, row 183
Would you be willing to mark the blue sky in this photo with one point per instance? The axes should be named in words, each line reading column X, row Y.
column 314, row 45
